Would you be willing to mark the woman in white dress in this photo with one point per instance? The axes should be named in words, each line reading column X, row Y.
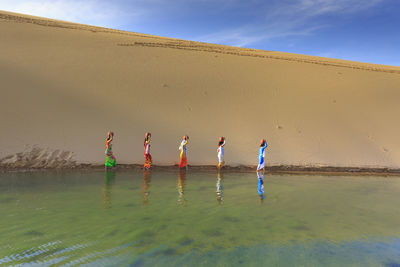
column 221, row 152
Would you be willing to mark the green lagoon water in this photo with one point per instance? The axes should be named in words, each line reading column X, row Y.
column 171, row 218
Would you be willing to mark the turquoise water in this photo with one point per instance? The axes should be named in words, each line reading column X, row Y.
column 171, row 218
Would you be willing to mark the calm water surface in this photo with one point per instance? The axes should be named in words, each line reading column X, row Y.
column 198, row 219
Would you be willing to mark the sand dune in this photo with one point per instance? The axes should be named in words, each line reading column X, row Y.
column 64, row 85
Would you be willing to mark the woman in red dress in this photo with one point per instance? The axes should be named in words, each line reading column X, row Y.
column 147, row 156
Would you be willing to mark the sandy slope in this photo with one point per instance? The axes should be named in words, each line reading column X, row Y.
column 64, row 85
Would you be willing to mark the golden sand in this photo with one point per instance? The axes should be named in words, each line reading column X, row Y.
column 64, row 85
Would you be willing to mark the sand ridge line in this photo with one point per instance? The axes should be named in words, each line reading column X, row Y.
column 70, row 25
column 182, row 44
column 238, row 52
column 192, row 45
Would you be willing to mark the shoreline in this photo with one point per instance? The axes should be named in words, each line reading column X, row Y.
column 279, row 169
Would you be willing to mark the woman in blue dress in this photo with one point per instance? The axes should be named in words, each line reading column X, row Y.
column 261, row 156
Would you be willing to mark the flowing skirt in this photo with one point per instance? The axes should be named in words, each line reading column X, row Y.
column 111, row 161
column 261, row 164
column 148, row 161
column 183, row 160
column 220, row 157
column 221, row 161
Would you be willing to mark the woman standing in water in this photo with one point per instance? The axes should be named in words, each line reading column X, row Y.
column 221, row 152
column 147, row 156
column 183, row 155
column 110, row 159
column 261, row 156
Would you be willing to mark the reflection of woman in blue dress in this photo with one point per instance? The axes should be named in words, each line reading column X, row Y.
column 260, row 188
column 261, row 156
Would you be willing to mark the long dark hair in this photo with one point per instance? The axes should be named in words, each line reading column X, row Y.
column 221, row 140
column 262, row 143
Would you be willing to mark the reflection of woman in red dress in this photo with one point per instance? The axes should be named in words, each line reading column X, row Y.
column 147, row 156
column 146, row 186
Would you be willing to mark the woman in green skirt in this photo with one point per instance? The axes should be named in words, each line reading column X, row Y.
column 110, row 159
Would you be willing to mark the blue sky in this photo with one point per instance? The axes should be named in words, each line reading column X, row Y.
column 360, row 30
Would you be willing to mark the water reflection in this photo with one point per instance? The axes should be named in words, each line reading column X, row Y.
column 146, row 186
column 220, row 188
column 181, row 187
column 358, row 228
column 260, row 188
column 109, row 179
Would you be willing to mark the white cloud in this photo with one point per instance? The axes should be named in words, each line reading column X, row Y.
column 319, row 7
column 268, row 19
column 95, row 12
column 288, row 19
column 248, row 35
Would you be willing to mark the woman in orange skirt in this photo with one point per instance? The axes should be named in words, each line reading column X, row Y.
column 183, row 155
